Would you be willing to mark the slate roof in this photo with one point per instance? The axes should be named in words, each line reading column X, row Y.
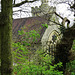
column 31, row 23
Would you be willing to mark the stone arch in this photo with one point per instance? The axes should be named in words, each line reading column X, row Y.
column 49, row 47
column 51, row 29
column 54, row 36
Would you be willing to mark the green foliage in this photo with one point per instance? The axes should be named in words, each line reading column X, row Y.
column 29, row 36
column 38, row 64
column 54, row 19
column 73, row 46
column 71, row 65
column 45, row 25
column 21, row 51
column 32, row 69
column 21, row 32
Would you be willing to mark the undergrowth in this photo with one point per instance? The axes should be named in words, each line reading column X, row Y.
column 71, row 65
column 34, row 62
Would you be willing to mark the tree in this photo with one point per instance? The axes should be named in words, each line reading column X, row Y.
column 64, row 46
column 6, row 36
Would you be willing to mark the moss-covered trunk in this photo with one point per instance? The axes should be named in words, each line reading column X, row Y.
column 0, row 50
column 6, row 37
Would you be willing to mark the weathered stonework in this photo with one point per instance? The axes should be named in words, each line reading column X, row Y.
column 43, row 9
column 52, row 27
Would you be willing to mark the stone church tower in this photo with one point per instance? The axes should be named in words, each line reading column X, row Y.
column 43, row 9
column 52, row 29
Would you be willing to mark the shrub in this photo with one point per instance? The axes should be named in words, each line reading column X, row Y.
column 39, row 64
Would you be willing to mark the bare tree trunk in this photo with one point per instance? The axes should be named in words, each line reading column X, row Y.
column 6, row 37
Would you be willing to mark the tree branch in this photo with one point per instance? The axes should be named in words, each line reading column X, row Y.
column 56, row 22
column 67, row 20
column 23, row 2
column 73, row 6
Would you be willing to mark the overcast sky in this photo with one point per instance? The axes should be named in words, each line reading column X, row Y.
column 62, row 9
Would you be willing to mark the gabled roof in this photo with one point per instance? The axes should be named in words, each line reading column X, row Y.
column 31, row 23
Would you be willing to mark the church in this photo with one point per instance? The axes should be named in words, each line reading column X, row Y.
column 43, row 21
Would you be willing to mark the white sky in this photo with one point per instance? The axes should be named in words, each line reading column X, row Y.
column 62, row 9
column 25, row 7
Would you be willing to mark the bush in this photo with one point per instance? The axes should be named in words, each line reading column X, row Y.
column 39, row 64
column 71, row 65
column 44, row 68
